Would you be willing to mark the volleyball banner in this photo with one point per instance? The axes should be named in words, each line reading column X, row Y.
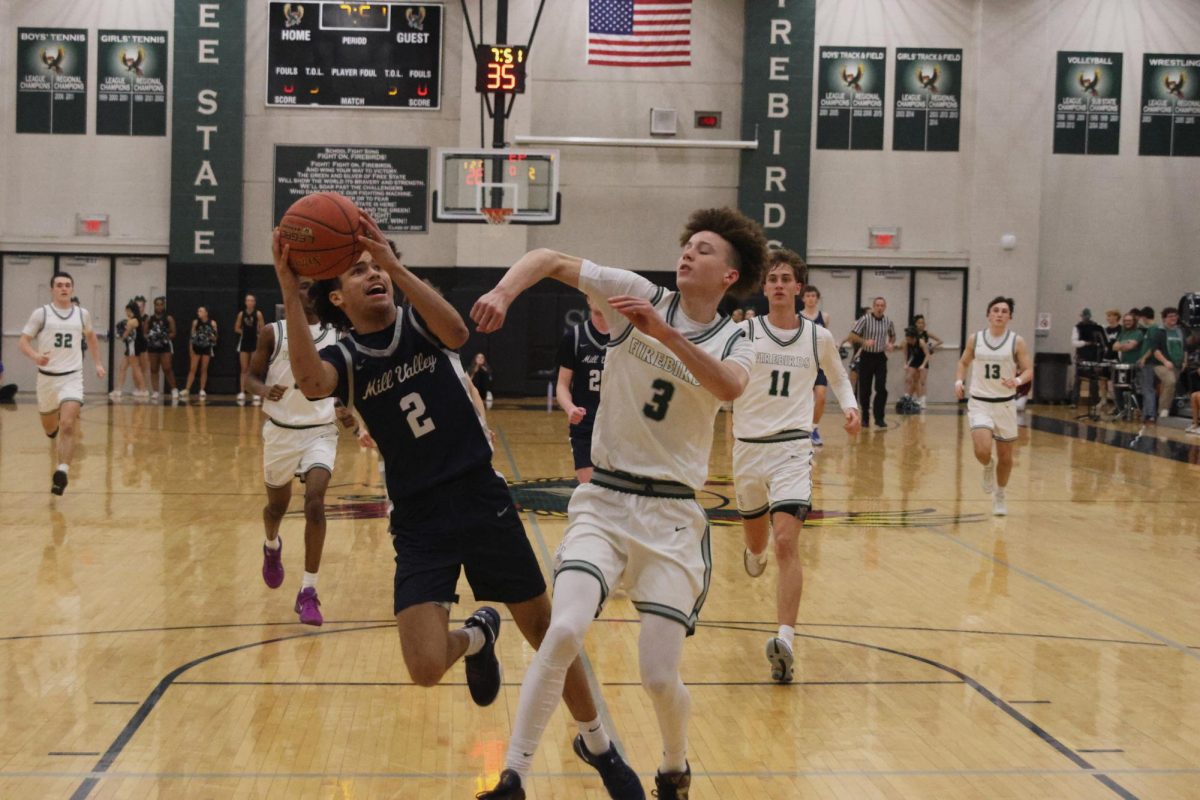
column 1087, row 109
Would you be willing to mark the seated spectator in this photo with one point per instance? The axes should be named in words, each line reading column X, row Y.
column 1169, row 344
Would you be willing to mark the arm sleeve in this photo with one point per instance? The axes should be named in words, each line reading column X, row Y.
column 835, row 371
column 601, row 283
column 566, row 350
column 334, row 355
column 35, row 324
column 740, row 351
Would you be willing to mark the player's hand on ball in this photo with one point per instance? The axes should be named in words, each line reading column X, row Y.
column 577, row 414
column 376, row 243
column 853, row 421
column 489, row 311
column 640, row 312
column 283, row 270
column 276, row 392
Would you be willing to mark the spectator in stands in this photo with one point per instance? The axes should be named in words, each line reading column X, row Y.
column 1169, row 344
column 1128, row 347
column 480, row 374
column 1088, row 340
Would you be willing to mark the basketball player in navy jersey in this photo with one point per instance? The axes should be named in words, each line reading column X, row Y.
column 580, row 366
column 452, row 512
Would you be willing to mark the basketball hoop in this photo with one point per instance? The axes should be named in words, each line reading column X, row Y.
column 497, row 216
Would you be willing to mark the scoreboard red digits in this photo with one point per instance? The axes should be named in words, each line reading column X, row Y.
column 500, row 68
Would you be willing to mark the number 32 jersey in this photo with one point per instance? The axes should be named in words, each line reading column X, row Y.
column 411, row 391
column 60, row 336
column 655, row 419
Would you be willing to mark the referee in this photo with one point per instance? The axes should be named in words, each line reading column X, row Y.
column 876, row 335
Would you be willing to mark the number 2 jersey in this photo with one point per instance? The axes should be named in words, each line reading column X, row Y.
column 655, row 419
column 59, row 335
column 411, row 391
column 582, row 351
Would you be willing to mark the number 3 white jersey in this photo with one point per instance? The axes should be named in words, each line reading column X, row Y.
column 993, row 364
column 59, row 334
column 294, row 408
column 655, row 419
column 779, row 397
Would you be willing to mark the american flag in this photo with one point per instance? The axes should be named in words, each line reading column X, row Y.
column 640, row 33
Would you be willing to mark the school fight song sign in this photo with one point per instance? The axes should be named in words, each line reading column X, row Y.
column 851, row 82
column 1087, row 110
column 1170, row 105
column 928, row 99
column 131, row 98
column 52, row 80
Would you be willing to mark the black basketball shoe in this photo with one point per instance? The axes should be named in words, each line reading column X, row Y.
column 619, row 778
column 673, row 785
column 508, row 788
column 59, row 482
column 483, row 669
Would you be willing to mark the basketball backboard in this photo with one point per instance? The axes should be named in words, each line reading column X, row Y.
column 475, row 183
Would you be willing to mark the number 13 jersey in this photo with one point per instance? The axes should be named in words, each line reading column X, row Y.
column 411, row 391
column 993, row 364
column 655, row 419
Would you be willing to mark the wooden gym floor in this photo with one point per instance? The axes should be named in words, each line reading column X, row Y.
column 942, row 653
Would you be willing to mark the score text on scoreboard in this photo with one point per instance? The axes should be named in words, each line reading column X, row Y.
column 500, row 68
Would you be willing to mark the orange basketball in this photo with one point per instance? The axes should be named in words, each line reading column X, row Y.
column 321, row 231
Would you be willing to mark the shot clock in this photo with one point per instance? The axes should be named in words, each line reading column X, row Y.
column 500, row 68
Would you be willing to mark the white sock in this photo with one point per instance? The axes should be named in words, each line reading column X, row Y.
column 309, row 581
column 576, row 595
column 660, row 649
column 476, row 639
column 595, row 738
column 63, row 467
column 788, row 634
column 274, row 544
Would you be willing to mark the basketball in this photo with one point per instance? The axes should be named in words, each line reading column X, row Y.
column 322, row 231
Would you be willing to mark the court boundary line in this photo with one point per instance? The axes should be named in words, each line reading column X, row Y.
column 987, row 694
column 114, row 750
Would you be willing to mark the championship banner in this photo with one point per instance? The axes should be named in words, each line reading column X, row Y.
column 928, row 99
column 207, row 131
column 52, row 80
column 131, row 73
column 1170, row 105
column 851, row 82
column 1087, row 110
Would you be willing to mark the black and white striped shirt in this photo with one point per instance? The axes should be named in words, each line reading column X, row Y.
column 881, row 330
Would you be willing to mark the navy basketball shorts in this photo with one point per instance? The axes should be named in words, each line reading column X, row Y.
column 470, row 525
column 581, row 449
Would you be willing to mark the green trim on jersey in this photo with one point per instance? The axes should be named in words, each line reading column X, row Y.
column 732, row 341
column 767, row 330
column 590, row 569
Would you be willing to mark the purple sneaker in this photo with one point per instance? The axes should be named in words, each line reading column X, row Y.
column 308, row 606
column 273, row 566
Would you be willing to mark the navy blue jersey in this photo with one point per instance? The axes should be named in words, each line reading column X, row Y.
column 582, row 350
column 411, row 391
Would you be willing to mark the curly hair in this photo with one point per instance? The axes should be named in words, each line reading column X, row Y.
column 323, row 307
column 744, row 235
column 781, row 255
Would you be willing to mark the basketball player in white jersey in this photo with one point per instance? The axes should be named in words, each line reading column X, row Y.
column 672, row 359
column 53, row 340
column 1000, row 364
column 773, row 448
column 299, row 440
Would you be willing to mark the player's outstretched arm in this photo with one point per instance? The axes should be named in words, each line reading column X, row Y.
column 315, row 378
column 442, row 320
column 489, row 311
column 839, row 380
column 256, row 376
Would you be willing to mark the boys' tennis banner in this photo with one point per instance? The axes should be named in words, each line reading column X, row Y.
column 52, row 80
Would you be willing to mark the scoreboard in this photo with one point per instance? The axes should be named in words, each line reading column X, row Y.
column 355, row 55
